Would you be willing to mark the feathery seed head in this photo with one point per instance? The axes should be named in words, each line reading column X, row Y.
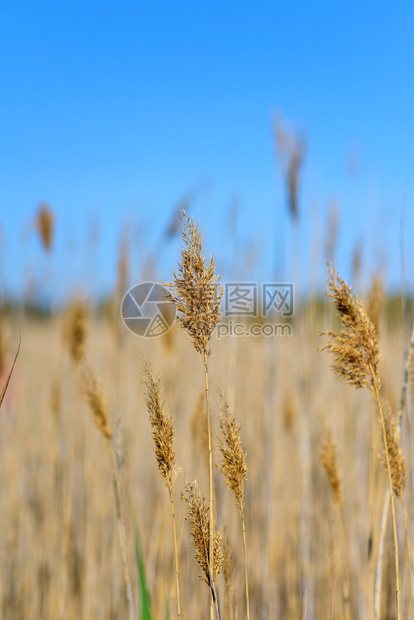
column 395, row 455
column 199, row 521
column 44, row 225
column 162, row 425
column 356, row 351
column 75, row 328
column 195, row 290
column 233, row 456
column 328, row 458
column 91, row 388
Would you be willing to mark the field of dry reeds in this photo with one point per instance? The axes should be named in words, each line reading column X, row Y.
column 131, row 467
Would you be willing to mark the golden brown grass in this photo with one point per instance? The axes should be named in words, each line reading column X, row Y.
column 196, row 294
column 75, row 328
column 329, row 460
column 44, row 225
column 356, row 353
column 195, row 290
column 162, row 426
column 64, row 491
column 92, row 391
column 233, row 466
column 199, row 522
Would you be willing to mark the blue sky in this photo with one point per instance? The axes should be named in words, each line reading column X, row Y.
column 112, row 112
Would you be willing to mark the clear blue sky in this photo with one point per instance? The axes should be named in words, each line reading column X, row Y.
column 112, row 111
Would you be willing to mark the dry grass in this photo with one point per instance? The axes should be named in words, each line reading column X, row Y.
column 57, row 512
column 44, row 224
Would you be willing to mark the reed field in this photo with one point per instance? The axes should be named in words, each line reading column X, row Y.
column 283, row 491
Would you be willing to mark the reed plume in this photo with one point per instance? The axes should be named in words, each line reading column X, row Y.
column 329, row 460
column 196, row 294
column 395, row 455
column 356, row 353
column 291, row 151
column 195, row 290
column 91, row 389
column 162, row 425
column 44, row 225
column 75, row 329
column 199, row 522
column 233, row 466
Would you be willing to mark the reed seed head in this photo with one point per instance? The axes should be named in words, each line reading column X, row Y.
column 76, row 328
column 233, row 456
column 195, row 290
column 291, row 151
column 356, row 351
column 91, row 389
column 395, row 455
column 199, row 521
column 162, row 425
column 44, row 225
column 328, row 458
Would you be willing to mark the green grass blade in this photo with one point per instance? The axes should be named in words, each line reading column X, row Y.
column 167, row 608
column 146, row 613
column 6, row 385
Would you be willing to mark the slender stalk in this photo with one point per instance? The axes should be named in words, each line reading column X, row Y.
column 121, row 532
column 409, row 553
column 378, row 577
column 245, row 566
column 210, row 480
column 175, row 552
column 372, row 476
column 345, row 581
column 394, row 518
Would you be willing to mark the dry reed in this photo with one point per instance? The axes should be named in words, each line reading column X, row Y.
column 233, row 466
column 196, row 294
column 75, row 329
column 391, row 443
column 356, row 353
column 329, row 460
column 91, row 389
column 44, row 225
column 162, row 425
column 199, row 522
column 291, row 151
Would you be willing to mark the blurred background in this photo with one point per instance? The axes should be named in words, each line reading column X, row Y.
column 286, row 129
